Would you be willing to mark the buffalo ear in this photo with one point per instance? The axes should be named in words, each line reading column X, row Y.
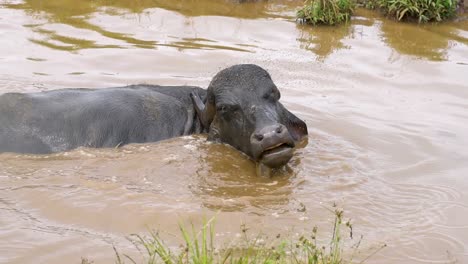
column 205, row 112
column 296, row 127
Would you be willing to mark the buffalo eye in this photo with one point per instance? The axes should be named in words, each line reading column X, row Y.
column 272, row 96
column 221, row 108
column 227, row 109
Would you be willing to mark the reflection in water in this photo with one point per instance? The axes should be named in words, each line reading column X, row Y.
column 71, row 43
column 58, row 9
column 418, row 41
column 75, row 14
column 424, row 41
column 79, row 13
column 323, row 41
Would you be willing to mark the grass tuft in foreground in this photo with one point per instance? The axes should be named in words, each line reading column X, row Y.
column 326, row 12
column 199, row 248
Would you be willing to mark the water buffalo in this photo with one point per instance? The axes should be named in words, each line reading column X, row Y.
column 240, row 107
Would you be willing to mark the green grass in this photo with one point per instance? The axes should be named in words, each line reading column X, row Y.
column 199, row 247
column 416, row 10
column 332, row 12
column 326, row 12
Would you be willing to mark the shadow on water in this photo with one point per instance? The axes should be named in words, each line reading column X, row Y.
column 78, row 14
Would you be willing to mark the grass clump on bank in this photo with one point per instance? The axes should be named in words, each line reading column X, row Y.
column 416, row 10
column 199, row 248
column 326, row 12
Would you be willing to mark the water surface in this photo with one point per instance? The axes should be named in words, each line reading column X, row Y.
column 386, row 105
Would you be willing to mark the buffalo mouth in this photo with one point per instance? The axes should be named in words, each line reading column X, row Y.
column 277, row 155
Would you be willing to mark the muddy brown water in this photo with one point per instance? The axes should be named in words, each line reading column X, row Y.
column 386, row 105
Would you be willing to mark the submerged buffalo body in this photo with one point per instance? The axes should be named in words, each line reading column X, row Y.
column 240, row 108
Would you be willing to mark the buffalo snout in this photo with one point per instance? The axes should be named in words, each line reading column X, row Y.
column 272, row 145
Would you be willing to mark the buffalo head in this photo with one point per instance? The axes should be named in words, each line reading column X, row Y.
column 242, row 109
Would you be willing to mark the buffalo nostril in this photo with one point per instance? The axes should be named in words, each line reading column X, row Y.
column 258, row 137
column 279, row 129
